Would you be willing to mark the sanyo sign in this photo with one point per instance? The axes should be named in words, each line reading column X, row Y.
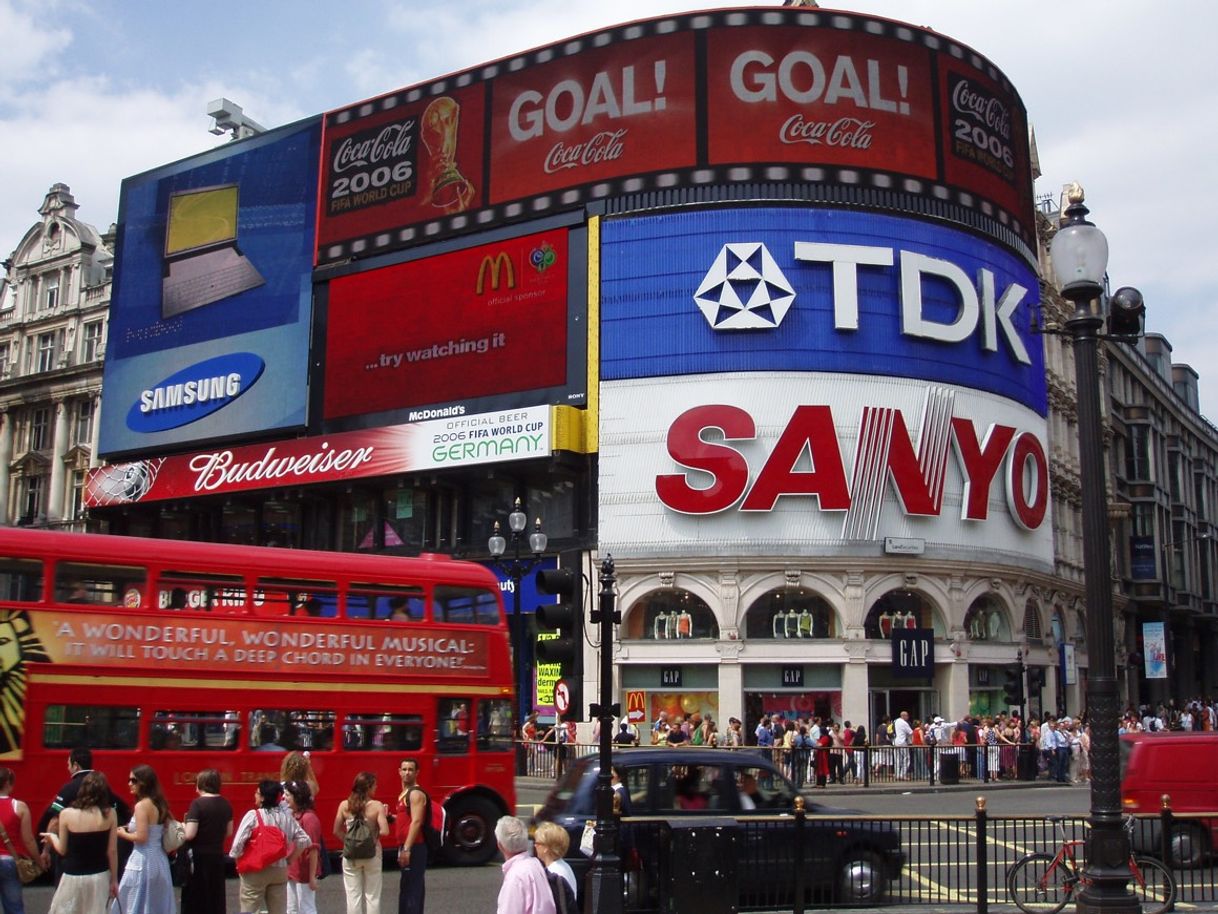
column 820, row 290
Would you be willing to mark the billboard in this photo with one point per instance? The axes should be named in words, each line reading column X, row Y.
column 212, row 297
column 817, row 463
column 456, row 441
column 482, row 321
column 817, row 290
column 847, row 106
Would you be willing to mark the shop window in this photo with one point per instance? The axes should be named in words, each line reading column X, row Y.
column 1031, row 623
column 985, row 621
column 790, row 613
column 900, row 609
column 671, row 614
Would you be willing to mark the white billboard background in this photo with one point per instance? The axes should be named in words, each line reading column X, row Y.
column 635, row 420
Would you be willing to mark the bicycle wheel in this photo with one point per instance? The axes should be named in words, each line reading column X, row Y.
column 1038, row 886
column 1154, row 885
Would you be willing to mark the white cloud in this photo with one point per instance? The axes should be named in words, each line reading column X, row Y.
column 30, row 46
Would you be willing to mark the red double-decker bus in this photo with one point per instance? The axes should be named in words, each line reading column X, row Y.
column 199, row 655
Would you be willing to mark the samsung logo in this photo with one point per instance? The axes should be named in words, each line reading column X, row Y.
column 194, row 392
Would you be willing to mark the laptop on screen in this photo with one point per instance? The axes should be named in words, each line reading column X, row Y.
column 202, row 261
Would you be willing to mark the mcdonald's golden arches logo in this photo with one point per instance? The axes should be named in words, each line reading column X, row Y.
column 496, row 266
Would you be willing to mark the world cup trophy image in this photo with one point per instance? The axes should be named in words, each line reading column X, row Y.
column 451, row 191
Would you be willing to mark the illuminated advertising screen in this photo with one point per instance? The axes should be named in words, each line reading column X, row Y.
column 798, row 289
column 827, row 100
column 402, row 164
column 212, row 299
column 481, row 321
column 595, row 115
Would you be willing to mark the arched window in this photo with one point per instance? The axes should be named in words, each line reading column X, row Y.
column 670, row 614
column 985, row 621
column 900, row 609
column 790, row 612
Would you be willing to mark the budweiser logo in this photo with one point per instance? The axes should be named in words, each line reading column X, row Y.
column 845, row 132
column 392, row 142
column 222, row 469
column 604, row 147
column 982, row 107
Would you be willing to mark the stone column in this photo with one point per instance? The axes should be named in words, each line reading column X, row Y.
column 6, row 458
column 59, row 447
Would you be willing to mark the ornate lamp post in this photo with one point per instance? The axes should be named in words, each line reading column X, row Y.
column 1079, row 253
column 516, row 568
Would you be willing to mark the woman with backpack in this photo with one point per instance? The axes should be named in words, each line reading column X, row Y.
column 360, row 824
column 262, row 855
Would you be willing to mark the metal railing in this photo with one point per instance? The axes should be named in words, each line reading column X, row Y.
column 798, row 862
column 865, row 765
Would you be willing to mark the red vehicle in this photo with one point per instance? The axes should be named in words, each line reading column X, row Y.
column 198, row 655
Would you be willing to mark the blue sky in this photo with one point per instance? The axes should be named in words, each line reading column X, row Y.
column 1122, row 97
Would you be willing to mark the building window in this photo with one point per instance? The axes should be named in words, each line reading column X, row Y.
column 78, row 493
column 50, row 292
column 83, row 422
column 40, row 428
column 31, row 502
column 91, row 339
column 1137, row 453
column 46, row 351
column 5, row 351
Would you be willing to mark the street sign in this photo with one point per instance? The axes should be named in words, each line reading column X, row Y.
column 562, row 697
column 636, row 706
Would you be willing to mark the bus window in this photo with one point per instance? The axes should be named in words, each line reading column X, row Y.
column 284, row 730
column 95, row 726
column 379, row 601
column 452, row 717
column 197, row 591
column 495, row 725
column 471, row 605
column 20, row 580
column 383, row 733
column 287, row 597
column 208, row 730
column 107, row 585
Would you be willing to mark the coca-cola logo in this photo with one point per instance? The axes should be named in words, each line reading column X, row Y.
column 606, row 146
column 983, row 107
column 384, row 145
column 843, row 133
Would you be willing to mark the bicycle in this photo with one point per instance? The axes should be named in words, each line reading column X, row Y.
column 1042, row 884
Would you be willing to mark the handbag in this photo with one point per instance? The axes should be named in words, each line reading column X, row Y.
column 28, row 869
column 173, row 835
column 266, row 845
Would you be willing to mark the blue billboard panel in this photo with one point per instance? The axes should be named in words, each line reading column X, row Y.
column 817, row 290
column 212, row 298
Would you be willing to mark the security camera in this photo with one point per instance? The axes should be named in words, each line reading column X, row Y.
column 228, row 117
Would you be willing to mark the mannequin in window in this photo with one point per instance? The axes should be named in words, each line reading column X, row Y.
column 778, row 625
column 685, row 624
column 805, row 623
column 659, row 628
column 886, row 621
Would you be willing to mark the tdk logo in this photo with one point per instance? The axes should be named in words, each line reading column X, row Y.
column 744, row 290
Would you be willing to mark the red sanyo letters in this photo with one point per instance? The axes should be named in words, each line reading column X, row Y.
column 915, row 476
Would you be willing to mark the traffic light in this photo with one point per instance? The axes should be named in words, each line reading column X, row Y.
column 567, row 618
column 1012, row 689
column 1036, row 678
column 1125, row 310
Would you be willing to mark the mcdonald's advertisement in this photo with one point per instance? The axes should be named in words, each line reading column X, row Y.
column 483, row 321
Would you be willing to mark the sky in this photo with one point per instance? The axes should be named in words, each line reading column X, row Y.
column 1122, row 97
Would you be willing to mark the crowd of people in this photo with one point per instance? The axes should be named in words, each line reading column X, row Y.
column 102, row 848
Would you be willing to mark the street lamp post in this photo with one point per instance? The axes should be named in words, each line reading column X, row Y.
column 516, row 568
column 1079, row 253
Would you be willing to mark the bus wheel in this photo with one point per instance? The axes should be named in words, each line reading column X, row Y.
column 471, row 832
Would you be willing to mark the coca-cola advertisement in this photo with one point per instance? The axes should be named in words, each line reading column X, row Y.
column 596, row 115
column 823, row 97
column 985, row 138
column 400, row 164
